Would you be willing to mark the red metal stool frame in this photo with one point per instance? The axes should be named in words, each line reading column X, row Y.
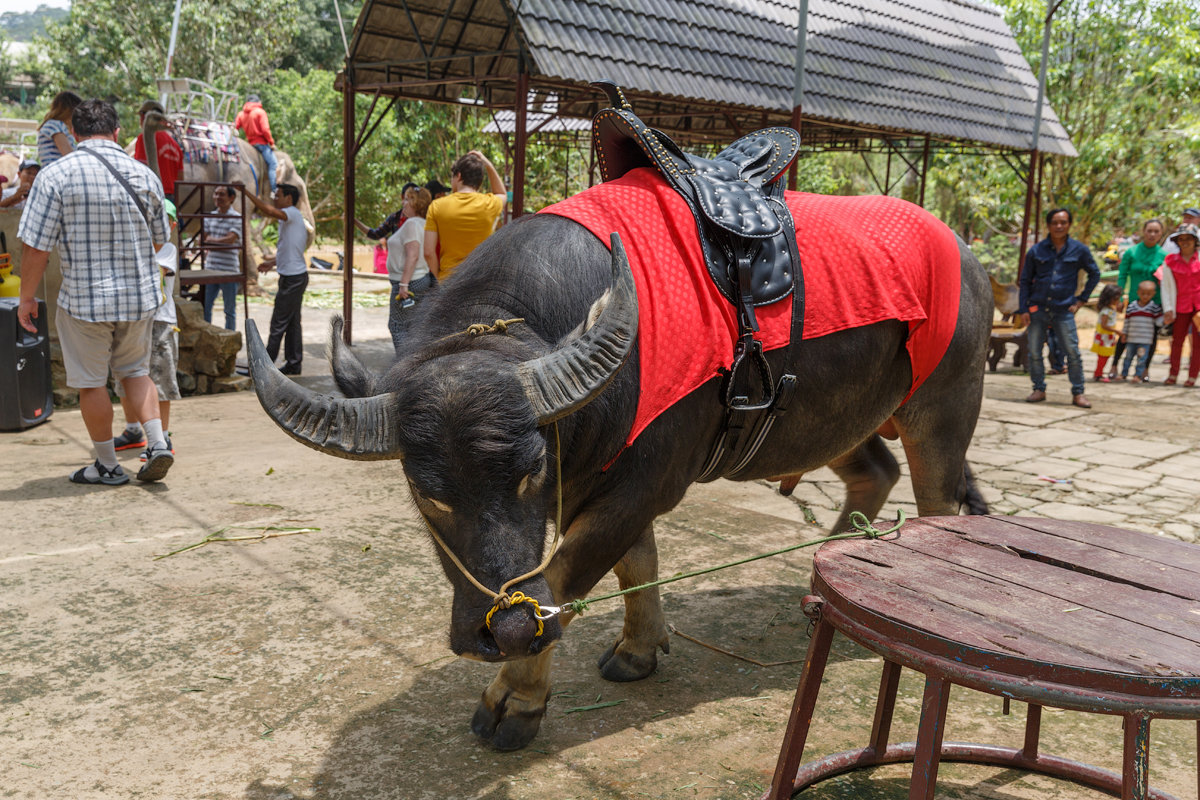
column 944, row 662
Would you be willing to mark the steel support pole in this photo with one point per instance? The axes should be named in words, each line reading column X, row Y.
column 349, row 156
column 924, row 172
column 1037, row 132
column 798, row 81
column 171, row 47
column 932, row 728
column 1037, row 206
column 521, row 107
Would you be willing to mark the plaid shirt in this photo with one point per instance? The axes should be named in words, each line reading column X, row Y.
column 106, row 246
column 223, row 260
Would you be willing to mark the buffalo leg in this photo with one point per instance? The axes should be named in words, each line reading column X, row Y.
column 936, row 429
column 511, row 709
column 635, row 653
column 512, row 706
column 869, row 472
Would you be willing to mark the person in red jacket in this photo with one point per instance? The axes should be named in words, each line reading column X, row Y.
column 170, row 156
column 253, row 120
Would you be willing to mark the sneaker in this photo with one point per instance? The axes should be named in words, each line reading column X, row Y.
column 170, row 447
column 109, row 477
column 158, row 461
column 128, row 441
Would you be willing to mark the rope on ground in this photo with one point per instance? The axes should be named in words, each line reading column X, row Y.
column 266, row 532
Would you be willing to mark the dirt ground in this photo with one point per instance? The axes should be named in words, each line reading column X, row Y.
column 315, row 665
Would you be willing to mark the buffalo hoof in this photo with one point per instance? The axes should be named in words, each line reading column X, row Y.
column 505, row 726
column 621, row 666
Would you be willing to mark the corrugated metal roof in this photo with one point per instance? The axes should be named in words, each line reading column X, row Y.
column 950, row 69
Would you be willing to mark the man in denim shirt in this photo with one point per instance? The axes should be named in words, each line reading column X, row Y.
column 1048, row 301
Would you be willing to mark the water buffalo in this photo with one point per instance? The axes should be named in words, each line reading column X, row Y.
column 477, row 421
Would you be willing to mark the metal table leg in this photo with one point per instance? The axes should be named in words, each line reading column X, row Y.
column 802, row 711
column 1135, row 770
column 929, row 737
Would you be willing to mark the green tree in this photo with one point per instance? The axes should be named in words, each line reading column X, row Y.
column 318, row 43
column 117, row 48
column 1121, row 76
column 23, row 26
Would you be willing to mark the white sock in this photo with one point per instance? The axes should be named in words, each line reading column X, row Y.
column 106, row 454
column 154, row 434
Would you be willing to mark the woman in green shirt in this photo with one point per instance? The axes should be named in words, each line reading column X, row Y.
column 1139, row 264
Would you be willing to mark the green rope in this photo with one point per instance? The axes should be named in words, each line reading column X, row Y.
column 862, row 528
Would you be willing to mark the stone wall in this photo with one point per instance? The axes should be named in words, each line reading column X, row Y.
column 207, row 354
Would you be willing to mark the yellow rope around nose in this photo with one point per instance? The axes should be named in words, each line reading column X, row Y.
column 516, row 598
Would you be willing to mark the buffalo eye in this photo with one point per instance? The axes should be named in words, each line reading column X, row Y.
column 535, row 477
column 421, row 496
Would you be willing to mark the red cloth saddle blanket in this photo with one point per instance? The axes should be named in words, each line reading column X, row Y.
column 864, row 260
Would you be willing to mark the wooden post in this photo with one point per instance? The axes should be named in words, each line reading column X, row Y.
column 522, row 140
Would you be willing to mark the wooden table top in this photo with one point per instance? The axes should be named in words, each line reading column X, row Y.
column 1045, row 600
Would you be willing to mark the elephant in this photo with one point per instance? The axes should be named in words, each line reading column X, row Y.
column 8, row 168
column 250, row 170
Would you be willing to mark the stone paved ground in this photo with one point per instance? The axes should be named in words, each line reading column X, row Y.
column 315, row 666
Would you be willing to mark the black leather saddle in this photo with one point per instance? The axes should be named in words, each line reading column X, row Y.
column 748, row 239
column 746, row 231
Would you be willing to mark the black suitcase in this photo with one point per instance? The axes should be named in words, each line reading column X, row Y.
column 26, row 395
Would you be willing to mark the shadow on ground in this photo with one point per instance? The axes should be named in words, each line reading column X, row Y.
column 418, row 743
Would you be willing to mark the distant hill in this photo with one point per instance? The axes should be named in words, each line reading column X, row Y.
column 22, row 26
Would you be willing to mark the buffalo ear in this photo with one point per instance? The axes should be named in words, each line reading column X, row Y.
column 573, row 374
column 351, row 377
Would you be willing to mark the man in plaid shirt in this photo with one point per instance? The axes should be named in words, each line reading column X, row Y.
column 107, row 233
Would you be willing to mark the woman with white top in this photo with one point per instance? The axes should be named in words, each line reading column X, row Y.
column 407, row 270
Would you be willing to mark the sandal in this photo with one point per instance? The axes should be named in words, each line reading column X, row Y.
column 109, row 477
column 1170, row 381
column 1190, row 382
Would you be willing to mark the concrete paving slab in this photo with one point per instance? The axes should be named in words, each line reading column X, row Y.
column 1071, row 511
column 314, row 666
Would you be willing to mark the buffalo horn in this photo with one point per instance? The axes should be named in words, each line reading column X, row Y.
column 359, row 428
column 571, row 376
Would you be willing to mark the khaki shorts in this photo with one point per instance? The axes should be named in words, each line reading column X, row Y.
column 164, row 361
column 91, row 349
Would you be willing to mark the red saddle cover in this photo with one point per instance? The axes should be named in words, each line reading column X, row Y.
column 864, row 259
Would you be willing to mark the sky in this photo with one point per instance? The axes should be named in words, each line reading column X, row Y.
column 31, row 5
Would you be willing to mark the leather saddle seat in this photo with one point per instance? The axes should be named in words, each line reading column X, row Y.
column 746, row 231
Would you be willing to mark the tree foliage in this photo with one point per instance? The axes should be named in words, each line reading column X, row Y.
column 412, row 142
column 23, row 26
column 1122, row 74
column 1120, row 77
column 317, row 43
column 116, row 49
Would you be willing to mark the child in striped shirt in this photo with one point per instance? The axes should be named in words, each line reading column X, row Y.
column 1143, row 317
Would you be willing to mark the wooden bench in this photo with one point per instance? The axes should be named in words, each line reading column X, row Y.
column 1046, row 612
column 204, row 276
column 1002, row 337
